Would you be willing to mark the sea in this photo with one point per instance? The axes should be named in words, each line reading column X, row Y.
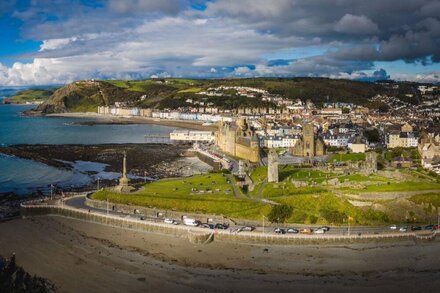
column 24, row 177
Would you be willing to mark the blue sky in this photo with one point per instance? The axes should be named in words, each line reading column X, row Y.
column 59, row 41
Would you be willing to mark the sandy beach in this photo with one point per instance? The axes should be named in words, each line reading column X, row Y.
column 103, row 119
column 86, row 257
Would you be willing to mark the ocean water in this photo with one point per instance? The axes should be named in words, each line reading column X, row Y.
column 26, row 176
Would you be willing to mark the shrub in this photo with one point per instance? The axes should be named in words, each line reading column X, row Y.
column 280, row 213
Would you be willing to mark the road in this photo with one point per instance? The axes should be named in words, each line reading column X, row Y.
column 79, row 203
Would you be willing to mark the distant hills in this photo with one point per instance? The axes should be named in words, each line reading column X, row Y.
column 86, row 96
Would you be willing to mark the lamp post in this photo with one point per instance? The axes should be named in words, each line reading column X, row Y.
column 51, row 191
column 263, row 222
column 98, row 185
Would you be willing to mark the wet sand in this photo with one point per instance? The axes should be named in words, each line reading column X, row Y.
column 86, row 257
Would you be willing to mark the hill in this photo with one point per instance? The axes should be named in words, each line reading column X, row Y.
column 31, row 96
column 84, row 96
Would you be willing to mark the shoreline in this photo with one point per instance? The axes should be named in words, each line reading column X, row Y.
column 105, row 119
column 134, row 261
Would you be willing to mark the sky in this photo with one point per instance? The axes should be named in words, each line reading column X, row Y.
column 60, row 41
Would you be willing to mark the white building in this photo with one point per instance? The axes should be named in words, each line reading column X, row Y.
column 189, row 135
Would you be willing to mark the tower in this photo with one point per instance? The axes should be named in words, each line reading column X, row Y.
column 309, row 140
column 272, row 167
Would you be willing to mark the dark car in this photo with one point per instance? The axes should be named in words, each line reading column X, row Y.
column 429, row 227
column 207, row 226
column 292, row 230
column 279, row 231
column 221, row 226
column 416, row 228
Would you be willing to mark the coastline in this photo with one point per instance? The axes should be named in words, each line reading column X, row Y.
column 103, row 119
column 133, row 261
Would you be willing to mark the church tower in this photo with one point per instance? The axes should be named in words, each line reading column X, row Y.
column 309, row 140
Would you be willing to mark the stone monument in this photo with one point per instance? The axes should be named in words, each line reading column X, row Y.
column 272, row 166
column 124, row 186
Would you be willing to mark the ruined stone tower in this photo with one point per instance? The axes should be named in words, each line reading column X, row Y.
column 272, row 166
column 309, row 140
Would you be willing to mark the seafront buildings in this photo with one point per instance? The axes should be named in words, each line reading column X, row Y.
column 304, row 129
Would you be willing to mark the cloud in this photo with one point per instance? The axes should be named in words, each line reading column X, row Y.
column 141, row 38
column 354, row 24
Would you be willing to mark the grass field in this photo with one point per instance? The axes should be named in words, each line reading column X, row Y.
column 177, row 194
column 320, row 204
column 32, row 95
column 347, row 157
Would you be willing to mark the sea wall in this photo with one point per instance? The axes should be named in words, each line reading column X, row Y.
column 200, row 235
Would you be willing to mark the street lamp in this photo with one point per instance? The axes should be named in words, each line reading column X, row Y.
column 98, row 185
column 263, row 222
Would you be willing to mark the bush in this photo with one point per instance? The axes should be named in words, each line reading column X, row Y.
column 333, row 216
column 280, row 213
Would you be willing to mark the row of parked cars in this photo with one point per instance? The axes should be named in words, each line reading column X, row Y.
column 415, row 228
column 196, row 223
column 320, row 230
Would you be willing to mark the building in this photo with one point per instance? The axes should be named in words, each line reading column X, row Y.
column 358, row 145
column 190, row 135
column 308, row 145
column 405, row 137
column 272, row 167
column 237, row 139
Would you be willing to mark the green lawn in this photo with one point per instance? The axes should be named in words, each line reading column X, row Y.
column 177, row 194
column 347, row 157
column 402, row 186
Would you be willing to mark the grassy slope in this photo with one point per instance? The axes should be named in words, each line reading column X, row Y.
column 177, row 194
column 32, row 95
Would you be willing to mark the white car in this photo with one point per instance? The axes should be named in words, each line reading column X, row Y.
column 403, row 229
column 393, row 227
column 319, row 231
column 168, row 221
column 191, row 222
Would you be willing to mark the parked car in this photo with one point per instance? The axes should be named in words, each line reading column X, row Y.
column 306, row 231
column 393, row 227
column 292, row 230
column 403, row 229
column 325, row 228
column 319, row 231
column 168, row 221
column 279, row 231
column 191, row 222
column 207, row 226
column 416, row 228
column 436, row 227
column 142, row 218
column 247, row 228
column 429, row 227
column 221, row 226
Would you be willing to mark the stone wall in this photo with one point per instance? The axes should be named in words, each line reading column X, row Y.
column 200, row 235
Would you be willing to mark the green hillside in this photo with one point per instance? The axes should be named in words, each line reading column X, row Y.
column 83, row 96
column 31, row 96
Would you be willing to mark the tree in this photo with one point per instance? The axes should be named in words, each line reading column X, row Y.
column 280, row 213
